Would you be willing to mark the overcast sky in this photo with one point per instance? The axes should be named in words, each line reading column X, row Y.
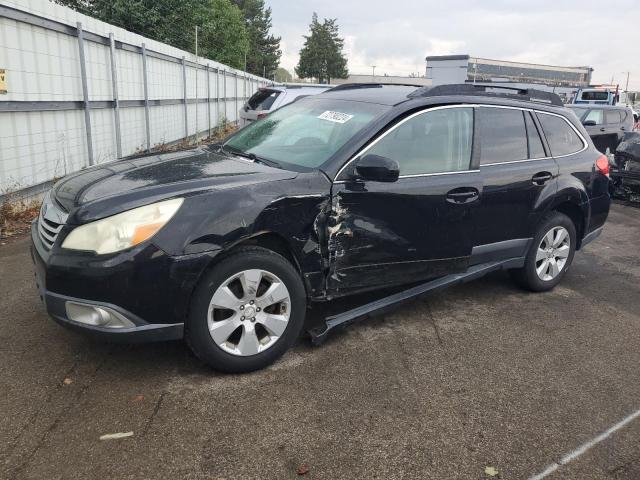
column 396, row 35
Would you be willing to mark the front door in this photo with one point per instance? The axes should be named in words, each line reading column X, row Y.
column 419, row 227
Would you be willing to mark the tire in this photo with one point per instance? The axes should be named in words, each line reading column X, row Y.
column 554, row 223
column 255, row 329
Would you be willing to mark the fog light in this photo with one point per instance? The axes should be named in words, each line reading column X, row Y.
column 96, row 316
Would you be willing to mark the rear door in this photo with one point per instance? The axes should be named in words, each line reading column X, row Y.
column 417, row 227
column 516, row 172
column 597, row 129
column 614, row 123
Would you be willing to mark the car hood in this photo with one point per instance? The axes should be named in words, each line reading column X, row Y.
column 125, row 184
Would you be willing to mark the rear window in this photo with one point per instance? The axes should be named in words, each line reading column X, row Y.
column 612, row 116
column 595, row 96
column 561, row 137
column 263, row 99
column 502, row 135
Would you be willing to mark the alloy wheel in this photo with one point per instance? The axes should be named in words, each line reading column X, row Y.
column 249, row 312
column 552, row 253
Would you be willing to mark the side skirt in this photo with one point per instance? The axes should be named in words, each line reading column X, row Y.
column 320, row 333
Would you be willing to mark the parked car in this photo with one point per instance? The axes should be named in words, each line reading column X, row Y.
column 359, row 188
column 267, row 99
column 606, row 125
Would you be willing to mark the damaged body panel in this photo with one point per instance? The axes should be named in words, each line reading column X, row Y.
column 626, row 171
column 383, row 234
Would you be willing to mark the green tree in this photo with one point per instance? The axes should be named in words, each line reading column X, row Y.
column 321, row 56
column 263, row 54
column 283, row 75
column 223, row 35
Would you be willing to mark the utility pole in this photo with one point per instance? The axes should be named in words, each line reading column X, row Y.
column 373, row 73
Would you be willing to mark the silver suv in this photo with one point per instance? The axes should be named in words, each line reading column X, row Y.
column 267, row 99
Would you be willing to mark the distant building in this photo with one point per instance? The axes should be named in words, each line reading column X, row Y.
column 445, row 69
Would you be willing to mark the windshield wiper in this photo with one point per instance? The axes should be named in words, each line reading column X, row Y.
column 252, row 156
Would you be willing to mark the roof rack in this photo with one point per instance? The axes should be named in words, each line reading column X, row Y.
column 353, row 86
column 526, row 94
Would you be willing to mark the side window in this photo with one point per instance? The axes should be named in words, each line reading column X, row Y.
column 562, row 139
column 503, row 137
column 536, row 150
column 435, row 141
column 612, row 116
column 595, row 115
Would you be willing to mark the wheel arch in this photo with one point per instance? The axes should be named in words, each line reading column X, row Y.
column 578, row 215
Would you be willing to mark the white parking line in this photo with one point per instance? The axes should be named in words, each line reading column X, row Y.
column 584, row 447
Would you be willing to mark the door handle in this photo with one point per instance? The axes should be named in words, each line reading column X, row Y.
column 462, row 195
column 602, row 129
column 622, row 128
column 541, row 178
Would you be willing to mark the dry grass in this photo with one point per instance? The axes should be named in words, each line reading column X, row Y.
column 16, row 216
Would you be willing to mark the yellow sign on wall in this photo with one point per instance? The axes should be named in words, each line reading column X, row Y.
column 3, row 81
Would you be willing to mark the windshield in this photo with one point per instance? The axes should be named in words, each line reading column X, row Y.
column 305, row 133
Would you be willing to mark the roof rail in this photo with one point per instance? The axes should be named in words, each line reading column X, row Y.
column 353, row 86
column 489, row 90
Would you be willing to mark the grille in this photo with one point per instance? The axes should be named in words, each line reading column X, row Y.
column 50, row 222
column 48, row 232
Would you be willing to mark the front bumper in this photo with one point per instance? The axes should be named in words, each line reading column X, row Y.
column 142, row 332
column 149, row 288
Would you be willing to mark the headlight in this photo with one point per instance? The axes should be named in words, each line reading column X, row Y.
column 123, row 230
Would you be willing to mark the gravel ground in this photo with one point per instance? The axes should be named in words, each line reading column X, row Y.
column 481, row 375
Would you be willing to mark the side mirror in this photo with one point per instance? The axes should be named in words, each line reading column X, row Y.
column 589, row 123
column 377, row 168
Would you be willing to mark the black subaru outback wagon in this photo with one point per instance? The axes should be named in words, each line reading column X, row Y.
column 359, row 188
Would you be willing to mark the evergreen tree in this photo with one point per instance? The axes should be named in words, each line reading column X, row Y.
column 321, row 56
column 263, row 55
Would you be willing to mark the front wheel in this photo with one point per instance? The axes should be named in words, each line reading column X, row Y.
column 549, row 255
column 247, row 311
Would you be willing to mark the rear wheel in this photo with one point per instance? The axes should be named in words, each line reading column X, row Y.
column 247, row 311
column 550, row 254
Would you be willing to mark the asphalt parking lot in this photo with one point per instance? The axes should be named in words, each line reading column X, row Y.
column 481, row 375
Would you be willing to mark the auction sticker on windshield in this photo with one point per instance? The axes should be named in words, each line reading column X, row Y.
column 335, row 116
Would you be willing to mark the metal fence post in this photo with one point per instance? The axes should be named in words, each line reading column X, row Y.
column 116, row 100
column 235, row 114
column 85, row 93
column 184, row 88
column 208, row 100
column 224, row 92
column 217, row 96
column 146, row 96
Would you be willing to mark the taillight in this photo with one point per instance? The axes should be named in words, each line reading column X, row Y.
column 602, row 165
column 262, row 115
